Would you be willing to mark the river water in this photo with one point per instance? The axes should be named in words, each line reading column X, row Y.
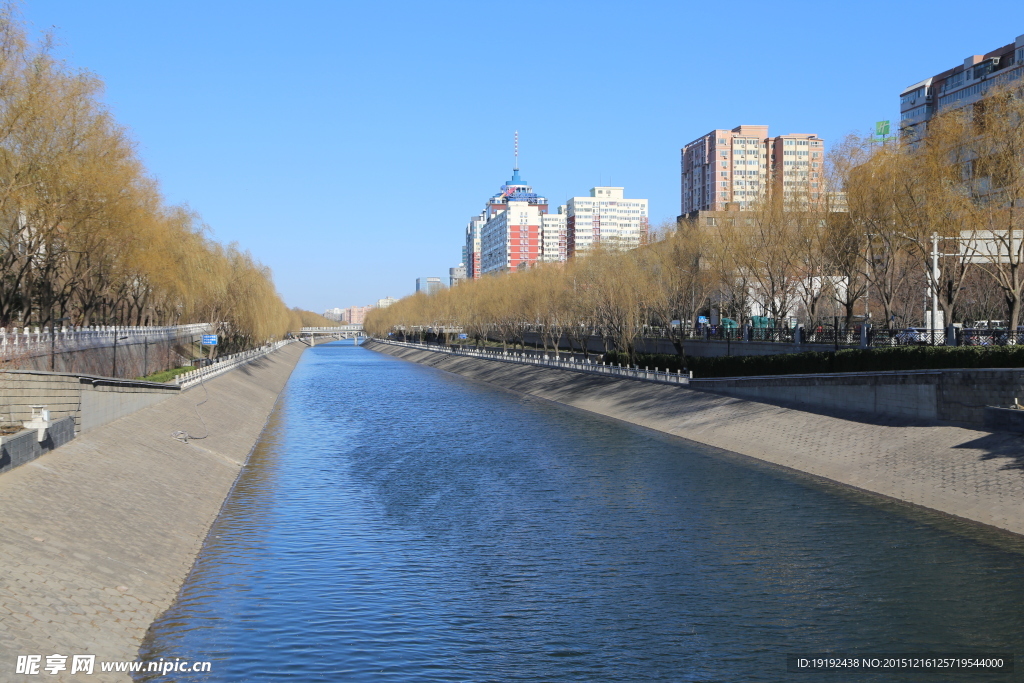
column 398, row 523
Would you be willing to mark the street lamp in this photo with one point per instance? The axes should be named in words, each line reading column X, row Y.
column 113, row 372
column 53, row 341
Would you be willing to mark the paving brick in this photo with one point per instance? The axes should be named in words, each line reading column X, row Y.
column 125, row 505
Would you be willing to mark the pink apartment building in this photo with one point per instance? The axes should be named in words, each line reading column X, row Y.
column 731, row 169
column 354, row 315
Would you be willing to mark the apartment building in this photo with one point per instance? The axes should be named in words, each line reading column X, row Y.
column 607, row 218
column 798, row 167
column 510, row 238
column 471, row 249
column 554, row 244
column 960, row 86
column 515, row 229
column 355, row 315
column 731, row 169
column 457, row 275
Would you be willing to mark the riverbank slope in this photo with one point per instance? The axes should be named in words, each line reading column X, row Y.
column 970, row 474
column 98, row 535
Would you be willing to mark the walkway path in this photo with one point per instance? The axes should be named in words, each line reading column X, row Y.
column 96, row 537
column 970, row 474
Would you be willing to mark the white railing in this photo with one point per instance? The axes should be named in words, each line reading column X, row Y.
column 221, row 365
column 339, row 328
column 572, row 363
column 28, row 341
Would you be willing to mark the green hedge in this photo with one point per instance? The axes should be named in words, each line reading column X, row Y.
column 847, row 360
column 167, row 375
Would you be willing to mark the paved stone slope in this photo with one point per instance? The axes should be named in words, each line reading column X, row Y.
column 971, row 474
column 97, row 536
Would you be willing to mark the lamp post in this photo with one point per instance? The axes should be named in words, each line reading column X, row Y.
column 53, row 340
column 935, row 286
column 113, row 372
column 934, row 274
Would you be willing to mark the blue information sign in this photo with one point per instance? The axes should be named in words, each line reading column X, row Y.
column 463, row 336
column 209, row 340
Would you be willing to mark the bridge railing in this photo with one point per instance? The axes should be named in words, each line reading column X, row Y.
column 224, row 363
column 330, row 330
column 574, row 364
column 29, row 341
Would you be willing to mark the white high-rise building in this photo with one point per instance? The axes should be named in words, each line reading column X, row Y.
column 606, row 218
column 961, row 86
column 553, row 236
column 457, row 275
column 471, row 249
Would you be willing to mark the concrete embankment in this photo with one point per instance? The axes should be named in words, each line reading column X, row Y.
column 970, row 474
column 98, row 535
column 952, row 396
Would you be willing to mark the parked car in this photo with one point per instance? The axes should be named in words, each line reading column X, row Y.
column 990, row 337
column 919, row 335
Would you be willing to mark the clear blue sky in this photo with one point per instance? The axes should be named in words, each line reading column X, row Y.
column 347, row 144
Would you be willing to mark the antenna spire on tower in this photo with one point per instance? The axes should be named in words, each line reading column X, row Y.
column 516, row 167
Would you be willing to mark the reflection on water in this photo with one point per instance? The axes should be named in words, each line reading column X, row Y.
column 397, row 523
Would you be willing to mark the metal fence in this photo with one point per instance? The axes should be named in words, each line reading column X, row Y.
column 991, row 338
column 543, row 359
column 840, row 336
column 225, row 363
column 906, row 337
column 836, row 336
column 26, row 341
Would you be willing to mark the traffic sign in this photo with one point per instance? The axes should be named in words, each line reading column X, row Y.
column 209, row 340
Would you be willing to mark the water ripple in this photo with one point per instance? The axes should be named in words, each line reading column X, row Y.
column 400, row 524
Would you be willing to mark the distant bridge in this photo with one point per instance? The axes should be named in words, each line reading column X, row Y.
column 312, row 335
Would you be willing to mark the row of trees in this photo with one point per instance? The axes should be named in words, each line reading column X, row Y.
column 961, row 180
column 85, row 236
column 855, row 243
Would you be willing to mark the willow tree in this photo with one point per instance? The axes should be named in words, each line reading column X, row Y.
column 892, row 268
column 680, row 281
column 85, row 235
column 991, row 152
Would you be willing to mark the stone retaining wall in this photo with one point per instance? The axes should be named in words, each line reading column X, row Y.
column 956, row 396
column 25, row 446
column 91, row 401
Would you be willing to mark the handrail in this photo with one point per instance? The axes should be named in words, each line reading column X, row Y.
column 188, row 380
column 13, row 342
column 571, row 364
column 337, row 328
